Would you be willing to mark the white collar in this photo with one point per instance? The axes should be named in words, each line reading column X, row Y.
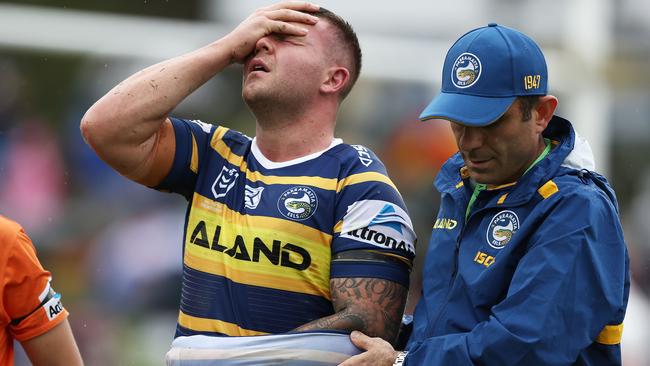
column 268, row 164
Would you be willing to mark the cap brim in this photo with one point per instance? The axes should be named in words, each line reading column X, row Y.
column 469, row 110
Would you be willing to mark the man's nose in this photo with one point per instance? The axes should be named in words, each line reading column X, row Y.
column 264, row 44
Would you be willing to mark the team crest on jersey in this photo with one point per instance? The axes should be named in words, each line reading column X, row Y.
column 252, row 196
column 466, row 70
column 298, row 203
column 224, row 182
column 501, row 229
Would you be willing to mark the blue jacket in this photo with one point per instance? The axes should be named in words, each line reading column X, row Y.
column 537, row 275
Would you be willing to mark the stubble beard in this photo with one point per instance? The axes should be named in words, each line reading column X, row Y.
column 273, row 103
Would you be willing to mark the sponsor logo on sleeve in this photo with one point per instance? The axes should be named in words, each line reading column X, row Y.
column 380, row 236
column 364, row 155
column 51, row 301
column 224, row 182
column 381, row 224
column 53, row 307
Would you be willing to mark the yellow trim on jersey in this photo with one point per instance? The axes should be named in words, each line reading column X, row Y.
column 396, row 256
column 204, row 263
column 362, row 178
column 502, row 199
column 548, row 189
column 294, row 230
column 250, row 231
column 213, row 325
column 194, row 162
column 338, row 227
column 460, row 184
column 324, row 183
column 220, row 147
column 611, row 335
column 318, row 182
column 218, row 134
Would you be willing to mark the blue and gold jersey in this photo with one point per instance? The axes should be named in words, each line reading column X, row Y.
column 260, row 236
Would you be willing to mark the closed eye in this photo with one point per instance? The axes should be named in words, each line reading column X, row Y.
column 287, row 39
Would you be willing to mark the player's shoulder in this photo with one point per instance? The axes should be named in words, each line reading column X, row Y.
column 584, row 189
column 8, row 228
column 11, row 234
column 216, row 132
column 356, row 159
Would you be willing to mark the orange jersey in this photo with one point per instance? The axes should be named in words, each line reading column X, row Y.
column 28, row 305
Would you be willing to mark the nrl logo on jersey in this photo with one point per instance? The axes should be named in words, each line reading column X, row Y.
column 224, row 182
column 501, row 229
column 298, row 203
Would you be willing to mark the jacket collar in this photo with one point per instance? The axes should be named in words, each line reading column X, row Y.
column 570, row 150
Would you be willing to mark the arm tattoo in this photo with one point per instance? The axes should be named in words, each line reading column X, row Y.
column 371, row 305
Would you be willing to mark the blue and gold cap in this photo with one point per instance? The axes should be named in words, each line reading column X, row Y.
column 484, row 72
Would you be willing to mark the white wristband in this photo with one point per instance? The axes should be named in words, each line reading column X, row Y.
column 399, row 361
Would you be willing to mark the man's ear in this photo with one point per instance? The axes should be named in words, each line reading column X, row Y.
column 544, row 110
column 337, row 78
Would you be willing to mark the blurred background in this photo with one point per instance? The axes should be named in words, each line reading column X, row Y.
column 114, row 247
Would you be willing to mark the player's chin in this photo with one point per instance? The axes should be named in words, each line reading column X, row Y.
column 249, row 92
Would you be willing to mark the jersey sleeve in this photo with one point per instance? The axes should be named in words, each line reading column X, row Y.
column 371, row 216
column 193, row 140
column 28, row 299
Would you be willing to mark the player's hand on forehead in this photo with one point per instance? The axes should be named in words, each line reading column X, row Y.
column 285, row 18
column 292, row 5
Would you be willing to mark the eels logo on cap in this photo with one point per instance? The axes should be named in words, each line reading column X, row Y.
column 466, row 70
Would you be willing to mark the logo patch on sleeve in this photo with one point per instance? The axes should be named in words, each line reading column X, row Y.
column 53, row 307
column 380, row 224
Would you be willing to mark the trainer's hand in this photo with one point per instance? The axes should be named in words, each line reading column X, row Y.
column 278, row 18
column 378, row 351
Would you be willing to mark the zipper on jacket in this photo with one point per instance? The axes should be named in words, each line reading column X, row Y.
column 454, row 272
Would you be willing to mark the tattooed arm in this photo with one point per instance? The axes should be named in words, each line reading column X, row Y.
column 371, row 305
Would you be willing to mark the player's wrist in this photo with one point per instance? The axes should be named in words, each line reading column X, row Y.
column 400, row 357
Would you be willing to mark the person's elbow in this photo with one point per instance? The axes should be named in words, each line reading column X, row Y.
column 95, row 125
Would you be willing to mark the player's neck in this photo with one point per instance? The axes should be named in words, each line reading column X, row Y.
column 292, row 139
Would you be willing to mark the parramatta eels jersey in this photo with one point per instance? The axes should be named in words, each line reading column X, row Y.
column 259, row 236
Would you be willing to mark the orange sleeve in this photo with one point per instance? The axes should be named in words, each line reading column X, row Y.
column 28, row 300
